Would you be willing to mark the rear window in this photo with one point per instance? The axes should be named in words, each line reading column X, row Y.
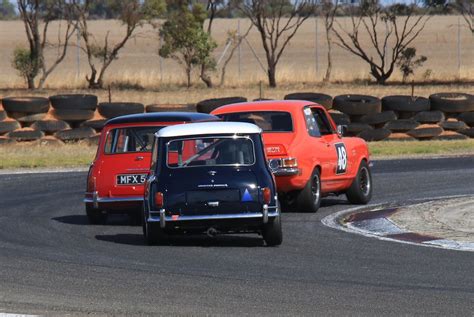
column 268, row 121
column 210, row 151
column 131, row 139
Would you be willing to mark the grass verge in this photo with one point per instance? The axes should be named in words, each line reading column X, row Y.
column 79, row 155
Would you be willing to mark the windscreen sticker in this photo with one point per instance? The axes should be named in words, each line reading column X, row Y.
column 341, row 158
column 246, row 196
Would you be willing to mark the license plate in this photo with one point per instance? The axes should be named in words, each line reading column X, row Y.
column 131, row 179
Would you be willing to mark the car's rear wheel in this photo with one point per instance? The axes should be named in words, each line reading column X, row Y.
column 360, row 191
column 309, row 199
column 95, row 216
column 272, row 234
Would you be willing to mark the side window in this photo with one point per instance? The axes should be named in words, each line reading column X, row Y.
column 317, row 122
column 311, row 124
column 154, row 156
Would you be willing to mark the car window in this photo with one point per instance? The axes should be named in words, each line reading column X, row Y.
column 131, row 139
column 268, row 121
column 210, row 152
column 317, row 122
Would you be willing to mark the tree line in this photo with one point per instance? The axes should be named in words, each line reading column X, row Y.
column 185, row 27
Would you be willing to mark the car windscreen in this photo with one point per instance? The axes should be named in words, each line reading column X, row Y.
column 130, row 139
column 268, row 121
column 210, row 151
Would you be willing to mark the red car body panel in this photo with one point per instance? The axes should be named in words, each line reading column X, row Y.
column 311, row 152
column 103, row 190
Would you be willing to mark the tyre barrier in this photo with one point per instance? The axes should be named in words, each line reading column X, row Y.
column 450, row 135
column 379, row 118
column 73, row 115
column 405, row 103
column 4, row 140
column 467, row 117
column 50, row 140
column 400, row 137
column 3, row 114
column 402, row 125
column 50, row 126
column 469, row 132
column 339, row 118
column 74, row 102
column 26, row 118
column 434, row 116
column 25, row 134
column 322, row 99
column 451, row 102
column 116, row 109
column 27, row 105
column 355, row 105
column 375, row 134
column 453, row 125
column 206, row 106
column 426, row 131
column 96, row 124
column 355, row 128
column 72, row 135
column 9, row 125
column 170, row 108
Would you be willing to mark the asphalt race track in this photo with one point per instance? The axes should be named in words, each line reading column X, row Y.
column 53, row 262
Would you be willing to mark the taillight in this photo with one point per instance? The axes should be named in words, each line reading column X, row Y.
column 267, row 195
column 289, row 162
column 159, row 199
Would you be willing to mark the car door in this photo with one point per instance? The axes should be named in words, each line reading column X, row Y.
column 333, row 154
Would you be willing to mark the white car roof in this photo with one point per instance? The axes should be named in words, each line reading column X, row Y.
column 203, row 128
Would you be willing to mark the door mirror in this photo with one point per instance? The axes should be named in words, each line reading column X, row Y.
column 341, row 130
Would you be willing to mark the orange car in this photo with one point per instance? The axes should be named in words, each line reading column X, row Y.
column 307, row 152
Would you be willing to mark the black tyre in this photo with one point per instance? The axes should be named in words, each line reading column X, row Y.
column 356, row 128
column 375, row 134
column 73, row 115
column 469, row 132
column 453, row 125
column 399, row 137
column 74, row 102
column 6, row 141
column 50, row 141
column 322, row 99
column 208, row 105
column 452, row 102
column 360, row 191
column 50, row 126
column 75, row 134
column 272, row 233
column 467, row 117
column 402, row 125
column 450, row 135
column 171, row 108
column 95, row 216
column 357, row 104
column 403, row 103
column 8, row 126
column 26, row 104
column 426, row 131
column 24, row 117
column 309, row 199
column 435, row 116
column 340, row 118
column 117, row 109
column 26, row 134
column 379, row 118
column 3, row 114
column 97, row 125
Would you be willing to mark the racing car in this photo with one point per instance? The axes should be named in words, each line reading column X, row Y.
column 307, row 153
column 116, row 176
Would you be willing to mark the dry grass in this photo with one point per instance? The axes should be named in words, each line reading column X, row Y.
column 139, row 65
column 79, row 155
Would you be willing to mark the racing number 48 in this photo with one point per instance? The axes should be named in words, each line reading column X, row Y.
column 341, row 158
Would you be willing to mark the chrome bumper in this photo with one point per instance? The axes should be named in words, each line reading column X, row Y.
column 96, row 200
column 290, row 171
column 160, row 216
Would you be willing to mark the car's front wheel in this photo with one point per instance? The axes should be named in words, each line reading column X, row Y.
column 360, row 191
column 309, row 199
column 95, row 216
column 272, row 234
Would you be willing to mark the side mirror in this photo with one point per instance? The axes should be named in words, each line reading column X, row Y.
column 341, row 130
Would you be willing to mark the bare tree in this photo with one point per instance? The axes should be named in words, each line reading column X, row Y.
column 234, row 40
column 328, row 10
column 100, row 56
column 277, row 21
column 389, row 35
column 37, row 16
column 466, row 8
